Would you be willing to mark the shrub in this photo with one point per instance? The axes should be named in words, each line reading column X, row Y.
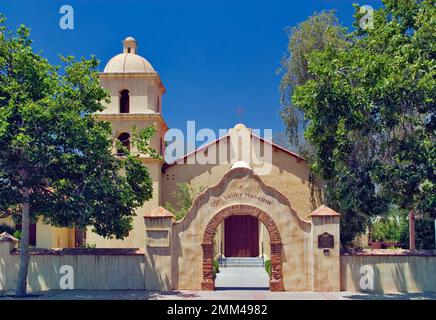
column 392, row 227
column 216, row 266
column 17, row 234
column 184, row 197
column 268, row 267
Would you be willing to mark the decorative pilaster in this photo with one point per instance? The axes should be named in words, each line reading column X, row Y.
column 276, row 281
column 158, row 249
column 325, row 249
column 208, row 283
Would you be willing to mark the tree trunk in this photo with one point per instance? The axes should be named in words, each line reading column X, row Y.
column 411, row 230
column 24, row 246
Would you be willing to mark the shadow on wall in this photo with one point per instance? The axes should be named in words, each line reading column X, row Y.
column 97, row 269
column 2, row 272
column 8, row 267
column 391, row 273
column 100, row 272
column 156, row 280
column 177, row 249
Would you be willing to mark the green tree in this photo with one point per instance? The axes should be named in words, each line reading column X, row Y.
column 56, row 159
column 392, row 227
column 313, row 34
column 184, row 197
column 371, row 115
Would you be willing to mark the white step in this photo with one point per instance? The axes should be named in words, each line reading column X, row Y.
column 241, row 262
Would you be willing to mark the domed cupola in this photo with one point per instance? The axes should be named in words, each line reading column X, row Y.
column 129, row 61
column 133, row 84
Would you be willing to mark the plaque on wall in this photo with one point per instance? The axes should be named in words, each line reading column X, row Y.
column 326, row 240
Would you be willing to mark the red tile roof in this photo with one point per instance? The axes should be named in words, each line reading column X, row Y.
column 324, row 211
column 7, row 237
column 159, row 212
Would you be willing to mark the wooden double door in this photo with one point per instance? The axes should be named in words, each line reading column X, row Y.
column 241, row 234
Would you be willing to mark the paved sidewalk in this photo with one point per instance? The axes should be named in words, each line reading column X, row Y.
column 216, row 295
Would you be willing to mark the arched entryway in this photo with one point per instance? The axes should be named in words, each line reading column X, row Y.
column 276, row 281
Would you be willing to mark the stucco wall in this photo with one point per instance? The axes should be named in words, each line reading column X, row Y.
column 295, row 233
column 52, row 237
column 143, row 92
column 158, row 253
column 289, row 174
column 401, row 271
column 115, row 270
column 124, row 122
column 127, row 269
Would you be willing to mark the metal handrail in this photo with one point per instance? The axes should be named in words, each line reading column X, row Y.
column 221, row 253
column 263, row 256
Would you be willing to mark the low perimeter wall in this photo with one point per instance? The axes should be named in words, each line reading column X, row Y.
column 375, row 270
column 389, row 271
column 92, row 269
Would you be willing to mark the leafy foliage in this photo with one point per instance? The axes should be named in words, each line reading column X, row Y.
column 268, row 267
column 56, row 159
column 17, row 234
column 370, row 107
column 216, row 266
column 184, row 196
column 47, row 130
column 392, row 228
column 424, row 233
column 313, row 34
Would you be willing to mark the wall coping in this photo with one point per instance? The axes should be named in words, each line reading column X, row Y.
column 83, row 251
column 390, row 252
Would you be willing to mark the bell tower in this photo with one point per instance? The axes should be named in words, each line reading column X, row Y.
column 136, row 91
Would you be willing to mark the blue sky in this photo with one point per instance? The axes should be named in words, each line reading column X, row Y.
column 213, row 56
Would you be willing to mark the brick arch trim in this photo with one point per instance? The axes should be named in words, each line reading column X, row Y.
column 276, row 281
